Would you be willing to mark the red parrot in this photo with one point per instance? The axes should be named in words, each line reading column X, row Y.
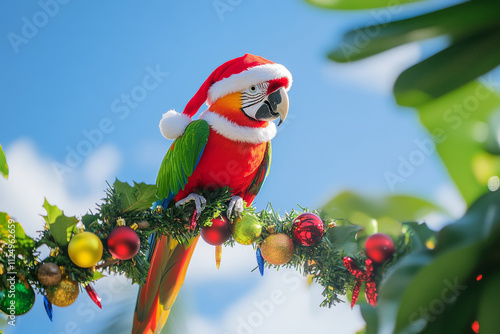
column 228, row 146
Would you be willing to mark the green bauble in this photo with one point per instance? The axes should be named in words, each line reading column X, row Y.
column 246, row 229
column 17, row 299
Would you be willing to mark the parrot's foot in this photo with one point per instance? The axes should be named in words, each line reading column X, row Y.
column 199, row 201
column 236, row 205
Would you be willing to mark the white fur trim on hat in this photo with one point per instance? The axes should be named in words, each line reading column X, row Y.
column 247, row 78
column 236, row 132
column 173, row 124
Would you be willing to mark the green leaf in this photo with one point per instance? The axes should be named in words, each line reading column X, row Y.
column 139, row 197
column 349, row 205
column 60, row 226
column 426, row 279
column 457, row 120
column 445, row 71
column 19, row 238
column 358, row 4
column 343, row 238
column 97, row 275
column 4, row 168
column 444, row 279
column 394, row 285
column 489, row 321
column 369, row 314
column 365, row 42
column 420, row 234
column 89, row 219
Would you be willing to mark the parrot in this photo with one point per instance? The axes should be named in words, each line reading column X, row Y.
column 227, row 146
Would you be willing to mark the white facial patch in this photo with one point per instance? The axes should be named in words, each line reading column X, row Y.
column 252, row 97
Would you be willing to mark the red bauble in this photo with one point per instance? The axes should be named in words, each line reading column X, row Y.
column 379, row 247
column 123, row 243
column 218, row 233
column 308, row 229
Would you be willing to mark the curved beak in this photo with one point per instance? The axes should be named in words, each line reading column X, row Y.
column 275, row 105
column 282, row 108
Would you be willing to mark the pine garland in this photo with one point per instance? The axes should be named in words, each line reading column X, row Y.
column 133, row 206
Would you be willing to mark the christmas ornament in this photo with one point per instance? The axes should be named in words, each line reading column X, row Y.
column 218, row 233
column 64, row 293
column 18, row 298
column 218, row 256
column 277, row 249
column 308, row 229
column 85, row 250
column 379, row 247
column 192, row 224
column 367, row 276
column 49, row 274
column 260, row 261
column 48, row 307
column 246, row 229
column 93, row 295
column 123, row 243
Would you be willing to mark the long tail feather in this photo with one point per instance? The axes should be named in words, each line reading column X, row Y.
column 169, row 264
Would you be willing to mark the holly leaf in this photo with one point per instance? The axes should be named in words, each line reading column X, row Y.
column 19, row 238
column 139, row 197
column 60, row 226
column 97, row 275
column 88, row 219
column 4, row 169
column 343, row 238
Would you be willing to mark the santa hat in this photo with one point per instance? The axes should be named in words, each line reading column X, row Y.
column 232, row 76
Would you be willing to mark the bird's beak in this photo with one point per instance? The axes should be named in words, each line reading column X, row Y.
column 282, row 108
column 274, row 106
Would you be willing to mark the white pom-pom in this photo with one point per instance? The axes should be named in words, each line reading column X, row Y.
column 173, row 124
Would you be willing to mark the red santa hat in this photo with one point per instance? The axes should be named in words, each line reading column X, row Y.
column 232, row 76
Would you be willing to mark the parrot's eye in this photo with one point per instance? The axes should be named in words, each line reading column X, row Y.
column 257, row 89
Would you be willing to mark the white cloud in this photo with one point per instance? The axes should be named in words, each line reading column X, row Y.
column 32, row 178
column 281, row 303
column 377, row 73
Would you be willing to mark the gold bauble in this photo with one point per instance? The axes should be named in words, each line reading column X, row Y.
column 49, row 274
column 277, row 249
column 64, row 293
column 246, row 229
column 85, row 249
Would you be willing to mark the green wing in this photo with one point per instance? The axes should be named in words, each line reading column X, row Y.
column 181, row 160
column 260, row 177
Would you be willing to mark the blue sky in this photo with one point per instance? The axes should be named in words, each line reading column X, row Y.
column 72, row 75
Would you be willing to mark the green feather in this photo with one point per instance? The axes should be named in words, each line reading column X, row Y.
column 182, row 158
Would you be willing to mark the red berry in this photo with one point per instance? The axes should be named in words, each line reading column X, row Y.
column 218, row 233
column 379, row 247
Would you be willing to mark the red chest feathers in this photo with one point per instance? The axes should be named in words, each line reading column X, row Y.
column 225, row 163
